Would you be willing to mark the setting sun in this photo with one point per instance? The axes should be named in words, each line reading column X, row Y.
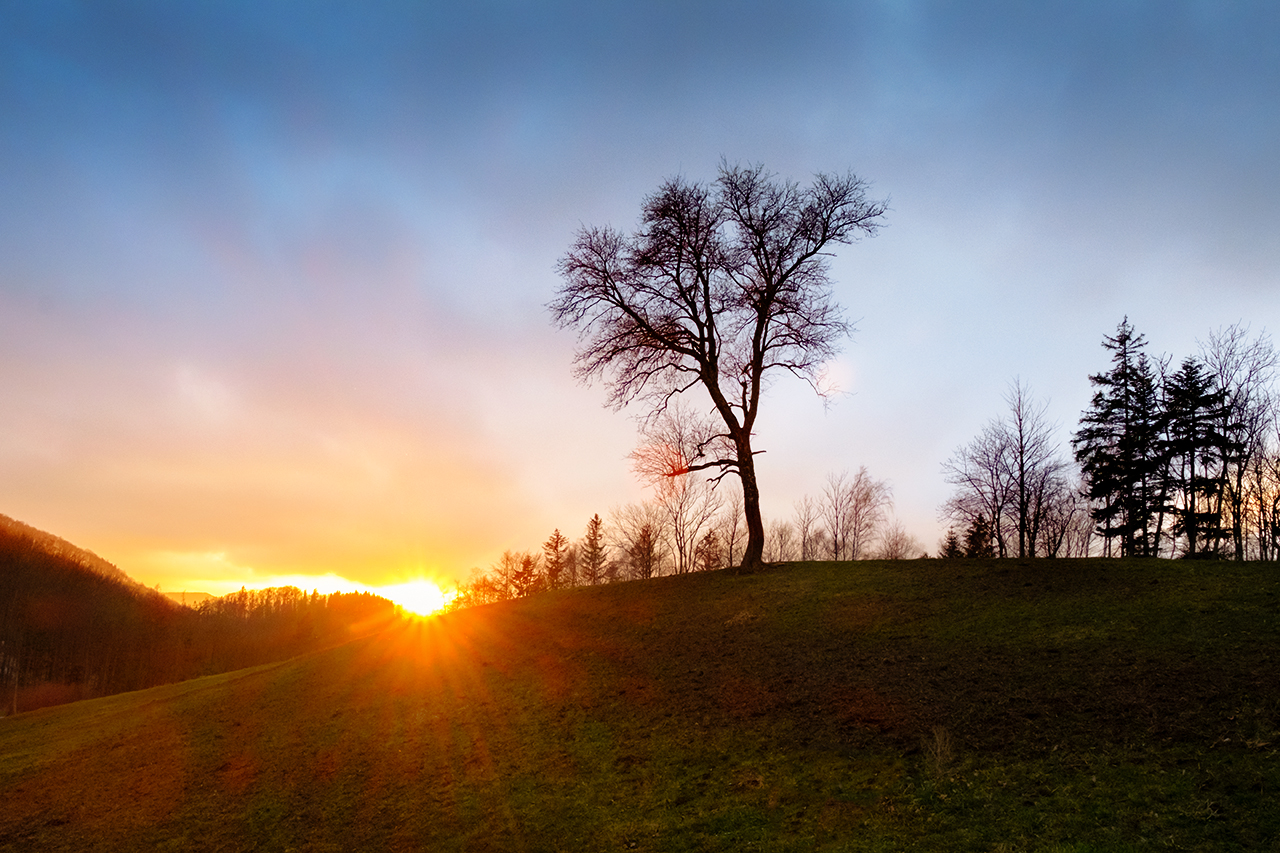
column 422, row 597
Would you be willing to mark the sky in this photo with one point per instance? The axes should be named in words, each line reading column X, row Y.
column 274, row 275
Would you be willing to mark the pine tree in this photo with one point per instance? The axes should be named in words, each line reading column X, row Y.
column 977, row 539
column 554, row 550
column 709, row 555
column 593, row 555
column 1118, row 445
column 951, row 545
column 526, row 580
column 1195, row 409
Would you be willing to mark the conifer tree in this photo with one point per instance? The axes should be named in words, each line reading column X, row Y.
column 1118, row 445
column 553, row 551
column 592, row 554
column 1195, row 411
column 951, row 545
column 977, row 539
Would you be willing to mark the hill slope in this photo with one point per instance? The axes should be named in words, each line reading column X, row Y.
column 1067, row 705
column 56, row 546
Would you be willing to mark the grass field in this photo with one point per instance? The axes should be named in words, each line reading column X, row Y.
column 927, row 705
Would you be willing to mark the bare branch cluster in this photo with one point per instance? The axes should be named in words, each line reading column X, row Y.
column 721, row 287
column 1011, row 479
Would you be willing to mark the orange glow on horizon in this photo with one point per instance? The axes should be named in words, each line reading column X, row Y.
column 422, row 597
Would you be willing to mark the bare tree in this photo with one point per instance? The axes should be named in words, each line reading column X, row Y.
column 689, row 502
column 721, row 288
column 980, row 476
column 853, row 508
column 897, row 544
column 1265, row 488
column 1008, row 476
column 1035, row 469
column 1065, row 528
column 871, row 500
column 572, row 574
column 808, row 516
column 639, row 533
column 1243, row 371
column 691, row 507
column 779, row 545
column 837, row 496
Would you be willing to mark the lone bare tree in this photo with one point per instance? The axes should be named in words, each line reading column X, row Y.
column 720, row 288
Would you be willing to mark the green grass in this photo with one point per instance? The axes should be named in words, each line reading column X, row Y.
column 928, row 705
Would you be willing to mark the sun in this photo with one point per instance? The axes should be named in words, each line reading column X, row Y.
column 422, row 597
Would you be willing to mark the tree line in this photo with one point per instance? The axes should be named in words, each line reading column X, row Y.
column 71, row 631
column 1165, row 462
column 691, row 526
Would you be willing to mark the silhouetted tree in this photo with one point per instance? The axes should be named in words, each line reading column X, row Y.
column 808, row 514
column 639, row 532
column 1065, row 528
column 689, row 503
column 1035, row 469
column 980, row 474
column 554, row 551
column 592, row 554
column 951, row 545
column 853, row 508
column 709, row 555
column 781, row 541
column 1011, row 474
column 527, row 578
column 1244, row 372
column 897, row 544
column 731, row 527
column 977, row 539
column 1196, row 449
column 1118, row 445
column 720, row 288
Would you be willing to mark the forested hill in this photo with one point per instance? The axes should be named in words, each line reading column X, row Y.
column 73, row 626
column 56, row 546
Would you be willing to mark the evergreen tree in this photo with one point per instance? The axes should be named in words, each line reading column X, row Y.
column 526, row 579
column 709, row 554
column 643, row 553
column 977, row 539
column 1118, row 445
column 951, row 545
column 592, row 554
column 554, row 551
column 1195, row 411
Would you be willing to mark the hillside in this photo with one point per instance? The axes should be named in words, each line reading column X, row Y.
column 924, row 705
column 57, row 547
column 72, row 626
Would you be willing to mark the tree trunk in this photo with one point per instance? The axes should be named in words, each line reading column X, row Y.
column 753, row 556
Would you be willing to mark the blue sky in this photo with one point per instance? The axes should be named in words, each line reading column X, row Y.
column 273, row 275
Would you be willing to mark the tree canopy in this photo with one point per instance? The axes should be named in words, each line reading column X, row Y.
column 721, row 287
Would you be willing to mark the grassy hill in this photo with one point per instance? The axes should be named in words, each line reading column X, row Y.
column 927, row 705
